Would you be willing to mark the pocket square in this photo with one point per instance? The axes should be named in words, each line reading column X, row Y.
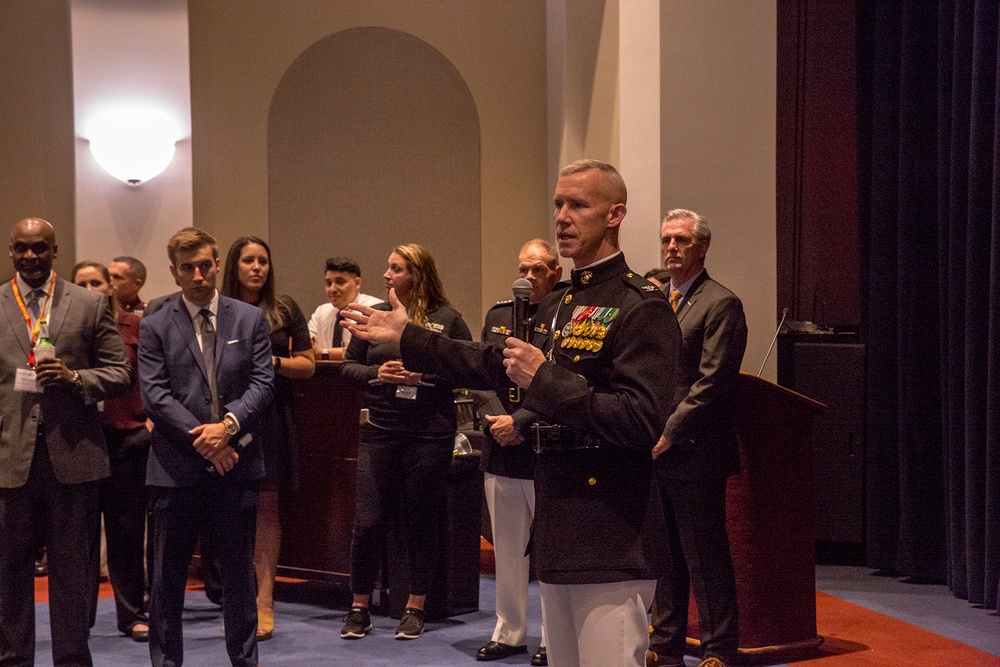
column 235, row 340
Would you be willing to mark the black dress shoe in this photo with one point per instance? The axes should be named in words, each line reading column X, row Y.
column 540, row 657
column 498, row 651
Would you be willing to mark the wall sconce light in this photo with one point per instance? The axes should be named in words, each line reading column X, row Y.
column 133, row 144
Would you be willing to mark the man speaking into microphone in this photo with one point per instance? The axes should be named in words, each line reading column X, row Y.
column 508, row 459
column 602, row 388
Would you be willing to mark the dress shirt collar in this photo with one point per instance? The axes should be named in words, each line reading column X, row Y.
column 25, row 289
column 686, row 287
column 194, row 309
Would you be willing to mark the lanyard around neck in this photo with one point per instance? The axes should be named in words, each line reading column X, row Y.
column 42, row 310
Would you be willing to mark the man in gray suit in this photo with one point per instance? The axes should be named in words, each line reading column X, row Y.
column 698, row 452
column 52, row 450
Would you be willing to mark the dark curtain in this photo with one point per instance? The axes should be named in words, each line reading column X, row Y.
column 929, row 115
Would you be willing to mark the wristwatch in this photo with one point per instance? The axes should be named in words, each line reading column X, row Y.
column 231, row 427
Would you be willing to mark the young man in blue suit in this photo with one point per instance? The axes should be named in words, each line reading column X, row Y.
column 205, row 368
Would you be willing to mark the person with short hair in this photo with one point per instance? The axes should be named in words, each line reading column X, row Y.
column 206, row 376
column 53, row 448
column 601, row 388
column 657, row 276
column 697, row 452
column 128, row 275
column 123, row 493
column 343, row 286
column 508, row 464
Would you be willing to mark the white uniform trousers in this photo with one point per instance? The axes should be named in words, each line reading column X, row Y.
column 511, row 503
column 597, row 625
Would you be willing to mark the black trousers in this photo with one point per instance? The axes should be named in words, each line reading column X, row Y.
column 64, row 518
column 699, row 560
column 231, row 508
column 398, row 473
column 123, row 504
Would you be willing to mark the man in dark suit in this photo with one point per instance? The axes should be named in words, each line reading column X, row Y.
column 697, row 452
column 205, row 367
column 508, row 464
column 52, row 449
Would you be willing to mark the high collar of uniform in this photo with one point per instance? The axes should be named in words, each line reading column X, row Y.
column 599, row 272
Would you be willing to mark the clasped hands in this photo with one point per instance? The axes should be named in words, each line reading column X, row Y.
column 521, row 359
column 212, row 443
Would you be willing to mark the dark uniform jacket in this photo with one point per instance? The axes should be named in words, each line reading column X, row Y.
column 702, row 425
column 611, row 386
column 517, row 461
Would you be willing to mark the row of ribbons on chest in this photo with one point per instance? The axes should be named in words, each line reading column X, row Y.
column 587, row 328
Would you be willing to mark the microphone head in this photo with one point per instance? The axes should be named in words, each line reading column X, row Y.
column 521, row 288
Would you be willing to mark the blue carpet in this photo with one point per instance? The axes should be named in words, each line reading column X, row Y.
column 308, row 620
column 307, row 633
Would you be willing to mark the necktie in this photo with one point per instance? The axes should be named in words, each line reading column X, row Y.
column 338, row 332
column 208, row 351
column 675, row 299
column 33, row 297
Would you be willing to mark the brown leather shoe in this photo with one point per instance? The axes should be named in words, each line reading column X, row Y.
column 712, row 662
column 654, row 659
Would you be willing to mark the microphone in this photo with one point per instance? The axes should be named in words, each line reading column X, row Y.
column 522, row 292
column 520, row 319
column 784, row 314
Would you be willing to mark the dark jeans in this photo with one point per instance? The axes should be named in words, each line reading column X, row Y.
column 398, row 472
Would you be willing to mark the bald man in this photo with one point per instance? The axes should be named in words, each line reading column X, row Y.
column 508, row 464
column 52, row 449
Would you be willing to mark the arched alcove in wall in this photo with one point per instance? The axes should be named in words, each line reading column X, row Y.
column 374, row 141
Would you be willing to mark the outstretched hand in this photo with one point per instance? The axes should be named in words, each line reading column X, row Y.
column 376, row 325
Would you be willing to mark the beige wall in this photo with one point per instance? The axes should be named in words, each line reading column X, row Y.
column 36, row 117
column 718, row 145
column 544, row 80
column 240, row 49
column 119, row 58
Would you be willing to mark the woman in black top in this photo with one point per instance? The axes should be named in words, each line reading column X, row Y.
column 406, row 446
column 249, row 277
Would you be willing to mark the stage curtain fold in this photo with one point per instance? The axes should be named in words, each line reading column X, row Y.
column 929, row 185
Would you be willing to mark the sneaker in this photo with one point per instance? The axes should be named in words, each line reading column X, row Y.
column 412, row 624
column 357, row 623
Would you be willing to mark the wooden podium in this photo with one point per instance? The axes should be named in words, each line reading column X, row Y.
column 317, row 518
column 770, row 517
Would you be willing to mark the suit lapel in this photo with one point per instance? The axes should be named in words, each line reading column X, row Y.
column 223, row 326
column 692, row 296
column 61, row 300
column 15, row 319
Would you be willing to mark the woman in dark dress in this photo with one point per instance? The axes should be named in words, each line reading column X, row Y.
column 249, row 277
column 406, row 448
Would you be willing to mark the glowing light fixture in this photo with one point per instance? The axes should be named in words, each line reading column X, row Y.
column 133, row 144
